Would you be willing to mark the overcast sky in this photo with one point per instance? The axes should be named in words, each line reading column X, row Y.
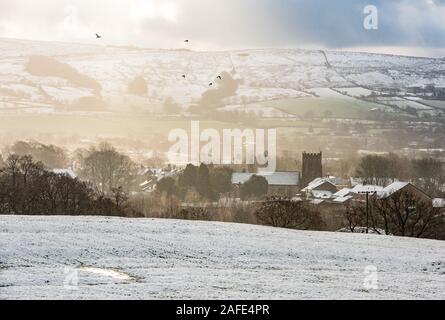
column 405, row 26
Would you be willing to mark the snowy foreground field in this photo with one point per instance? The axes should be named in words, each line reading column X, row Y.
column 113, row 258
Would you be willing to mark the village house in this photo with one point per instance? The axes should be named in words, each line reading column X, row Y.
column 332, row 206
column 280, row 183
column 343, row 196
column 149, row 177
column 359, row 192
column 320, row 188
column 404, row 187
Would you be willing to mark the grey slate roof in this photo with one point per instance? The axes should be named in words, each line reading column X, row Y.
column 273, row 178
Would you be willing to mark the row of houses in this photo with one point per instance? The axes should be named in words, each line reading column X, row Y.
column 149, row 177
column 325, row 190
column 331, row 189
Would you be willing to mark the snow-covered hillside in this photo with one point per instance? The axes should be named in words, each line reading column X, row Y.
column 265, row 74
column 41, row 258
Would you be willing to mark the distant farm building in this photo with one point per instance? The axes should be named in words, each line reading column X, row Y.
column 320, row 188
column 280, row 183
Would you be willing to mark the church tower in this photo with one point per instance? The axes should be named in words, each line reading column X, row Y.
column 312, row 168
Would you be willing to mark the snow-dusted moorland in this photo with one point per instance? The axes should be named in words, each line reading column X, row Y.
column 114, row 258
column 105, row 72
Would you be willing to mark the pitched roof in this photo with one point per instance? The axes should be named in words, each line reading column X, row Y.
column 366, row 189
column 314, row 184
column 392, row 188
column 147, row 183
column 342, row 199
column 342, row 193
column 273, row 178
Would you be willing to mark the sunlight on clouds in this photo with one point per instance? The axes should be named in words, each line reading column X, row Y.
column 169, row 11
column 142, row 10
column 227, row 24
column 419, row 20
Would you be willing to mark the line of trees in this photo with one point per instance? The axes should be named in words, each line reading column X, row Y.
column 210, row 183
column 404, row 214
column 426, row 173
column 27, row 188
column 51, row 156
column 204, row 182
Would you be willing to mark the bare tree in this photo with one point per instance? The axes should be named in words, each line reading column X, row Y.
column 26, row 188
column 429, row 174
column 374, row 169
column 50, row 155
column 285, row 213
column 406, row 214
column 107, row 169
column 355, row 215
column 120, row 197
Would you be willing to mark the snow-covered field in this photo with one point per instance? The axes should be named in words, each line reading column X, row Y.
column 114, row 258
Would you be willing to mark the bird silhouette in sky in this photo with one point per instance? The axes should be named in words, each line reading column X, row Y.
column 186, row 41
column 184, row 76
column 98, row 36
column 210, row 84
column 219, row 77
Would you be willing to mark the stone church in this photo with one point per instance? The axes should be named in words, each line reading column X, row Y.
column 312, row 168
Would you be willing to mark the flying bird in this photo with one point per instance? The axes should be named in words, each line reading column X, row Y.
column 98, row 36
column 219, row 77
column 211, row 84
column 183, row 76
column 186, row 41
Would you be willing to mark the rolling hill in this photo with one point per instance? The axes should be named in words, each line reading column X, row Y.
column 114, row 258
column 46, row 77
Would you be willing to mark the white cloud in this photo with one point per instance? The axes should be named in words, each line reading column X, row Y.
column 225, row 24
column 66, row 20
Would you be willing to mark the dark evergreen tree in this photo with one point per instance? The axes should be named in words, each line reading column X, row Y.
column 221, row 180
column 203, row 185
column 167, row 186
column 189, row 177
column 256, row 187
